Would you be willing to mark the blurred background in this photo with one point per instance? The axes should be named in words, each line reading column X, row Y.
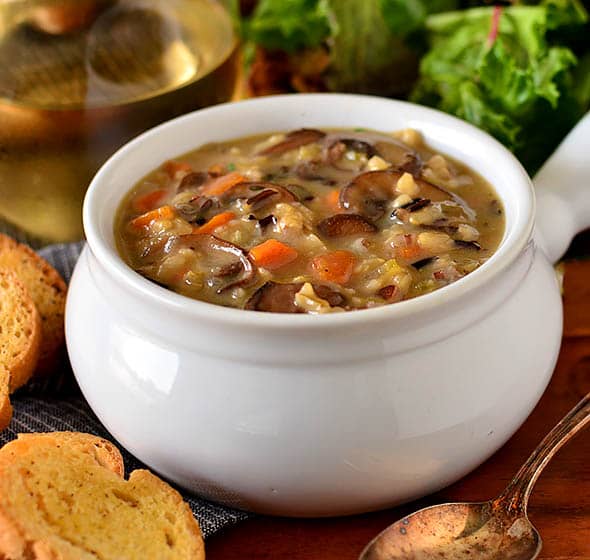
column 79, row 78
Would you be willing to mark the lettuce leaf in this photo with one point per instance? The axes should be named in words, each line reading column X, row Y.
column 515, row 83
column 369, row 42
column 289, row 25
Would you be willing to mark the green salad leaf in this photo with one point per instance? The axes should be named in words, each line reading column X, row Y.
column 521, row 72
column 499, row 70
column 289, row 25
column 369, row 42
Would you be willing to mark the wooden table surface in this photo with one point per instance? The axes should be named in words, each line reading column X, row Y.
column 560, row 505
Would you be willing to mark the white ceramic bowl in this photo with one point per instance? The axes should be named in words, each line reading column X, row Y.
column 317, row 415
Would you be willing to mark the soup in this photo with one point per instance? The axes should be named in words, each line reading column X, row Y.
column 310, row 221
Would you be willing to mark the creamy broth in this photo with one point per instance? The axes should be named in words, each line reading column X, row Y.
column 310, row 221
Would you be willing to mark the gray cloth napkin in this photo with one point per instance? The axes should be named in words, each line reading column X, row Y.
column 62, row 407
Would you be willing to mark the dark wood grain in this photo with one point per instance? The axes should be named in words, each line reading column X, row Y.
column 560, row 505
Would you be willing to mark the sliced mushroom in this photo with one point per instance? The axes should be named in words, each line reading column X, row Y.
column 436, row 194
column 468, row 244
column 359, row 146
column 195, row 209
column 217, row 257
column 259, row 194
column 230, row 269
column 294, row 139
column 274, row 297
column 259, row 198
column 412, row 164
column 192, row 181
column 341, row 225
column 301, row 193
column 400, row 155
column 368, row 193
column 338, row 148
column 308, row 171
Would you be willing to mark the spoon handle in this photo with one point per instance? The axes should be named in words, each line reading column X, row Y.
column 516, row 495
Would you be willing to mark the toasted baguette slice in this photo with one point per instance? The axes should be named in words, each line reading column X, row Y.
column 48, row 291
column 20, row 330
column 5, row 406
column 63, row 495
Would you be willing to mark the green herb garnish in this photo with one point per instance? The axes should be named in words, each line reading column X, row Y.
column 499, row 69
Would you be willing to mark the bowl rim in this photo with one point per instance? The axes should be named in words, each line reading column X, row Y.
column 512, row 245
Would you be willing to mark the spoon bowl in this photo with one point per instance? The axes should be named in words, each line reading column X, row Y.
column 457, row 531
column 494, row 530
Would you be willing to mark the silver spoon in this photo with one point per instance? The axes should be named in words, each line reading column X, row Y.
column 494, row 530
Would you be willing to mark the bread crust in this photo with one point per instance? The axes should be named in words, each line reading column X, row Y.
column 5, row 406
column 20, row 340
column 103, row 452
column 48, row 290
column 20, row 540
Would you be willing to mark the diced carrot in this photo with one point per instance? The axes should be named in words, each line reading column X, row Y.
column 215, row 222
column 149, row 201
column 173, row 168
column 162, row 213
column 332, row 199
column 334, row 267
column 221, row 184
column 273, row 254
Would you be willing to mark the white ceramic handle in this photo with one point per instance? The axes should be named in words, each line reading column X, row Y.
column 562, row 188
